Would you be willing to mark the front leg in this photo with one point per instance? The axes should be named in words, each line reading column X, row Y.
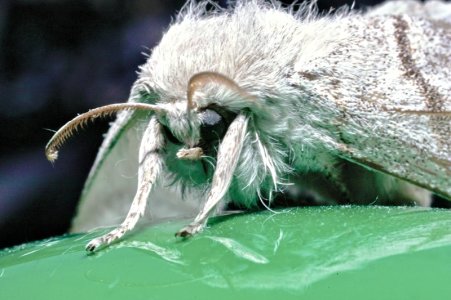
column 228, row 155
column 150, row 165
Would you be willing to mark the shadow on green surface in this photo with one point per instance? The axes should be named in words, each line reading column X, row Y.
column 300, row 253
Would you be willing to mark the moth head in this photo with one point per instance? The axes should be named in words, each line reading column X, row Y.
column 195, row 125
column 202, row 121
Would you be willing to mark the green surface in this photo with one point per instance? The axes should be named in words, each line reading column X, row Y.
column 301, row 253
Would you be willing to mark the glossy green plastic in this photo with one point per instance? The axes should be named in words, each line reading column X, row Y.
column 300, row 253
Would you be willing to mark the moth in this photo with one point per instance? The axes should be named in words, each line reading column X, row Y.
column 258, row 99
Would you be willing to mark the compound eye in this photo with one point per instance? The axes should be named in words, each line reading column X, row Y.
column 213, row 125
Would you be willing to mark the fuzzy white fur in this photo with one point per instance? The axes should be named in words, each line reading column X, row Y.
column 334, row 101
column 296, row 127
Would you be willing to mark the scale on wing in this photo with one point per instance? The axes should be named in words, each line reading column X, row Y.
column 405, row 117
column 385, row 94
column 431, row 164
column 407, row 147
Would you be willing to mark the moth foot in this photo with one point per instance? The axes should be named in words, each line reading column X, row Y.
column 106, row 239
column 95, row 244
column 190, row 230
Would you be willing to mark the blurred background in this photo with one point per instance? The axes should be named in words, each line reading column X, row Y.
column 59, row 58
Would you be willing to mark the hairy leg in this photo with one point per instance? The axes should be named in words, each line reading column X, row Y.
column 228, row 154
column 150, row 165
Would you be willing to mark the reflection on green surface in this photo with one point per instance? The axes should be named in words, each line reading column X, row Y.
column 301, row 253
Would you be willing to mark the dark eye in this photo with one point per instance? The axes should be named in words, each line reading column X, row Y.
column 167, row 132
column 214, row 124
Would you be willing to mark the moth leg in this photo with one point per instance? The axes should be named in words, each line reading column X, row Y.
column 228, row 154
column 150, row 165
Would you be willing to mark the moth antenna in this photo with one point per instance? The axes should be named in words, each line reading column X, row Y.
column 65, row 132
column 199, row 80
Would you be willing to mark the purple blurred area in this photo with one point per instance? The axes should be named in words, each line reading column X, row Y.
column 59, row 58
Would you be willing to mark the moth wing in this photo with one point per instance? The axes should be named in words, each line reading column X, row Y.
column 112, row 182
column 406, row 155
column 437, row 10
column 112, row 178
column 407, row 127
column 385, row 91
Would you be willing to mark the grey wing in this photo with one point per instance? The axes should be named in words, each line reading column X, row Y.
column 408, row 124
column 385, row 92
column 414, row 154
column 432, row 9
column 112, row 181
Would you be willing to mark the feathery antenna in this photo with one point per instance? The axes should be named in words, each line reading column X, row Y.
column 65, row 132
